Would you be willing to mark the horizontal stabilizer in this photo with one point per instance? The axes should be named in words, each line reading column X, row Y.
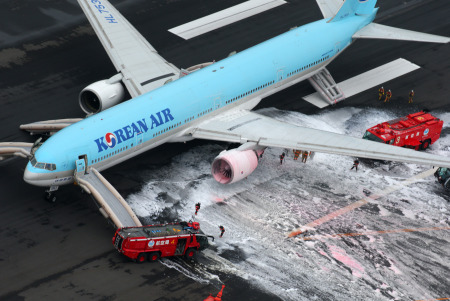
column 377, row 31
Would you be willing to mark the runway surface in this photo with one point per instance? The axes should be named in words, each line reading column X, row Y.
column 63, row 251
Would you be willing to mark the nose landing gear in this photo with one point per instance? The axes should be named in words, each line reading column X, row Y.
column 50, row 194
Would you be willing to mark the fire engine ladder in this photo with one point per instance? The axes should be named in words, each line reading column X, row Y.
column 112, row 204
column 324, row 83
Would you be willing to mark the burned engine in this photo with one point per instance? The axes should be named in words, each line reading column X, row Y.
column 100, row 96
column 234, row 165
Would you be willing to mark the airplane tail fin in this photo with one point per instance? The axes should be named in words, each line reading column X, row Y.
column 354, row 7
column 377, row 31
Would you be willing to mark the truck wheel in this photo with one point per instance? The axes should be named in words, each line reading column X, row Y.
column 141, row 258
column 153, row 256
column 190, row 253
column 425, row 144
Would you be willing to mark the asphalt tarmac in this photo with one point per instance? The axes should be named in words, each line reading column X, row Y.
column 49, row 54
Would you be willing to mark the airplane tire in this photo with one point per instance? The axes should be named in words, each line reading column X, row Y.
column 190, row 253
column 142, row 257
column 153, row 256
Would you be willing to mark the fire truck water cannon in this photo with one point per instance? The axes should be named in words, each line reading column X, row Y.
column 234, row 165
column 416, row 131
column 165, row 240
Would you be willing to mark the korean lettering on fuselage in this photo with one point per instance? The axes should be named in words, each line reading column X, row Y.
column 111, row 139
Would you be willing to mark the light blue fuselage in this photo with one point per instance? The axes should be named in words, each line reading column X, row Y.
column 165, row 114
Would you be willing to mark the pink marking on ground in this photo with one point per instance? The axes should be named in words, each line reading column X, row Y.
column 341, row 255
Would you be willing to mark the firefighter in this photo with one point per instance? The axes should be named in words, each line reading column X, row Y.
column 388, row 96
column 222, row 230
column 197, row 207
column 380, row 93
column 304, row 156
column 411, row 95
column 355, row 164
column 296, row 153
column 282, row 157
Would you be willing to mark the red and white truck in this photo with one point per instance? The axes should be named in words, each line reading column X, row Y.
column 416, row 131
column 155, row 241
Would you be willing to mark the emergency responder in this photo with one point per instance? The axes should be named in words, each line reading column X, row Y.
column 388, row 96
column 197, row 207
column 304, row 156
column 222, row 230
column 296, row 153
column 355, row 164
column 380, row 93
column 282, row 157
column 411, row 95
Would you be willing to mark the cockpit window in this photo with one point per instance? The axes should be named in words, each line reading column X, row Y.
column 40, row 165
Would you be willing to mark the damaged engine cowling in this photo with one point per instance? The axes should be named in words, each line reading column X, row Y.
column 234, row 165
column 100, row 96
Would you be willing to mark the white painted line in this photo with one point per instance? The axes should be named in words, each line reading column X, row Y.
column 224, row 17
column 367, row 80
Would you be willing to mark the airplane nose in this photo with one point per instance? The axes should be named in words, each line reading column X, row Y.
column 29, row 176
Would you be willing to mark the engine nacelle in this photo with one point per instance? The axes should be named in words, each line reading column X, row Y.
column 100, row 96
column 234, row 165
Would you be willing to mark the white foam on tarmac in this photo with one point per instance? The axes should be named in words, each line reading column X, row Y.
column 258, row 212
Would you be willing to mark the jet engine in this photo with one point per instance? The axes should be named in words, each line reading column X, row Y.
column 101, row 95
column 234, row 165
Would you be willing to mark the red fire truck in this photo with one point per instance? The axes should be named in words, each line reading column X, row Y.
column 416, row 131
column 155, row 241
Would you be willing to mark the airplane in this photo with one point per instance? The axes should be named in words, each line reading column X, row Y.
column 213, row 102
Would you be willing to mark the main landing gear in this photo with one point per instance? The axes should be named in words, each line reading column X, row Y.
column 50, row 194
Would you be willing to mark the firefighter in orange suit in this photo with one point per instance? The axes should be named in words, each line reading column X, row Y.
column 296, row 153
column 282, row 157
column 388, row 96
column 304, row 156
column 411, row 95
column 222, row 230
column 380, row 93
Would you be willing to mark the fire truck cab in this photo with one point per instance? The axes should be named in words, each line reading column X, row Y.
column 416, row 131
column 155, row 241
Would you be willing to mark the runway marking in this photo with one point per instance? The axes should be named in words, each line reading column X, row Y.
column 362, row 202
column 318, row 237
column 434, row 299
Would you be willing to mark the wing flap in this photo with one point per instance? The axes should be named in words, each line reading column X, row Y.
column 269, row 132
column 142, row 67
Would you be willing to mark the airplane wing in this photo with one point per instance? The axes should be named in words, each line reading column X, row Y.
column 245, row 126
column 329, row 8
column 142, row 68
